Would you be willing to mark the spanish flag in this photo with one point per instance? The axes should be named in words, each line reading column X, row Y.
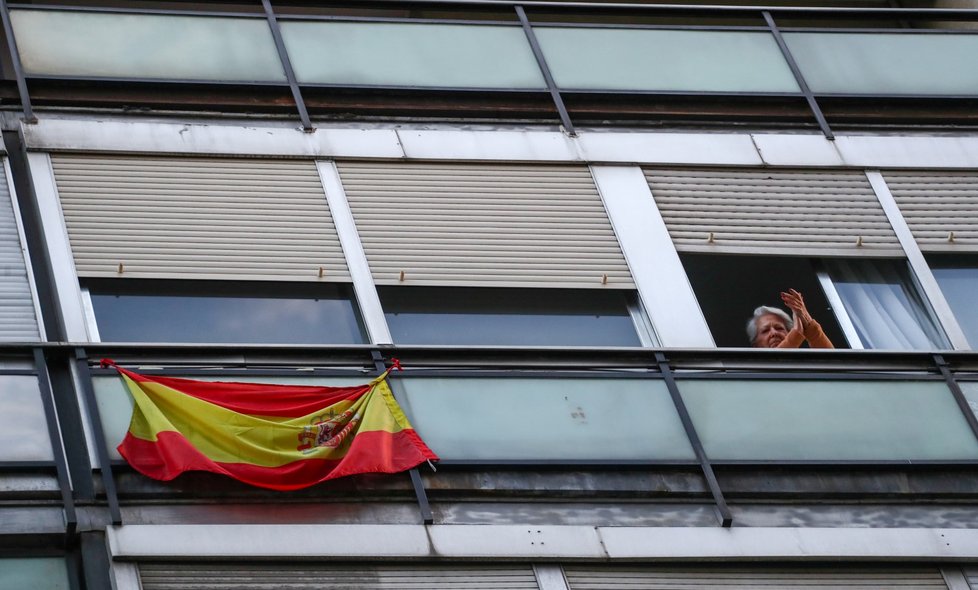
column 273, row 436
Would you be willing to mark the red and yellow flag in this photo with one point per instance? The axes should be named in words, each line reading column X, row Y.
column 274, row 436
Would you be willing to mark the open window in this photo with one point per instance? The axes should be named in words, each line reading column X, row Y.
column 860, row 303
column 224, row 312
column 957, row 276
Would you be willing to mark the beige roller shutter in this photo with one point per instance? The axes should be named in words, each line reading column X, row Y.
column 692, row 578
column 941, row 208
column 198, row 218
column 309, row 576
column 483, row 225
column 17, row 319
column 789, row 212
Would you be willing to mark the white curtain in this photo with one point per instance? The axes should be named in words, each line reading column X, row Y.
column 884, row 306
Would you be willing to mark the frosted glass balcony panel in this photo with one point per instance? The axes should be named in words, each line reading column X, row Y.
column 828, row 420
column 115, row 403
column 23, row 428
column 166, row 47
column 970, row 390
column 409, row 54
column 665, row 60
column 545, row 419
column 887, row 63
column 35, row 573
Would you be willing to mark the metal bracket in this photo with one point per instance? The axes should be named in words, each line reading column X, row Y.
column 420, row 493
column 723, row 511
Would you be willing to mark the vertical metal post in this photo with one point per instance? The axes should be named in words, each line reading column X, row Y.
column 565, row 119
column 57, row 444
column 799, row 77
column 723, row 511
column 423, row 505
column 287, row 66
column 25, row 97
column 101, row 447
column 959, row 397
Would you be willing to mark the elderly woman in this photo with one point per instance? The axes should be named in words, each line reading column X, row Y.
column 772, row 328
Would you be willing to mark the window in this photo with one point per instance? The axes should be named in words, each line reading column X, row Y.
column 224, row 312
column 958, row 279
column 859, row 302
column 728, row 289
column 518, row 317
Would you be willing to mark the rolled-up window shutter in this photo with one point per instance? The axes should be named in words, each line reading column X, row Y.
column 745, row 578
column 198, row 218
column 786, row 212
column 17, row 319
column 309, row 576
column 483, row 225
column 941, row 208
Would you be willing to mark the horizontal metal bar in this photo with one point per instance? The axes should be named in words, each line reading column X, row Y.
column 868, row 12
column 473, row 89
column 25, row 372
column 845, row 463
column 781, row 375
column 134, row 10
column 103, row 79
column 650, row 27
column 396, row 19
column 558, row 463
column 26, row 465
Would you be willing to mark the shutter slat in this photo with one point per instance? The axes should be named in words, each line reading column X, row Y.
column 727, row 578
column 203, row 218
column 934, row 204
column 801, row 213
column 18, row 322
column 483, row 225
column 363, row 576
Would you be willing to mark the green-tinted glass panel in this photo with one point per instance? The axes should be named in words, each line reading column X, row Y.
column 545, row 419
column 645, row 59
column 891, row 63
column 169, row 47
column 23, row 428
column 115, row 403
column 34, row 573
column 828, row 420
column 970, row 390
column 406, row 54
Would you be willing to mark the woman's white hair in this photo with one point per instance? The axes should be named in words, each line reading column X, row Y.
column 763, row 311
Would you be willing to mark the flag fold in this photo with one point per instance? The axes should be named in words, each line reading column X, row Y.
column 280, row 437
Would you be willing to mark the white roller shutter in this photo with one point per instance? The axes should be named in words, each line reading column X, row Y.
column 487, row 225
column 786, row 212
column 17, row 319
column 692, row 578
column 310, row 576
column 941, row 208
column 198, row 218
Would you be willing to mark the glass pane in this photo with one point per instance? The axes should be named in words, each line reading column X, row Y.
column 406, row 54
column 91, row 44
column 959, row 286
column 884, row 306
column 828, row 420
column 115, row 403
column 636, row 59
column 23, row 429
column 970, row 390
column 545, row 419
column 36, row 573
column 894, row 63
column 515, row 317
column 219, row 318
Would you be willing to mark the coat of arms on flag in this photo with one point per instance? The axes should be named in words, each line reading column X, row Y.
column 281, row 437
